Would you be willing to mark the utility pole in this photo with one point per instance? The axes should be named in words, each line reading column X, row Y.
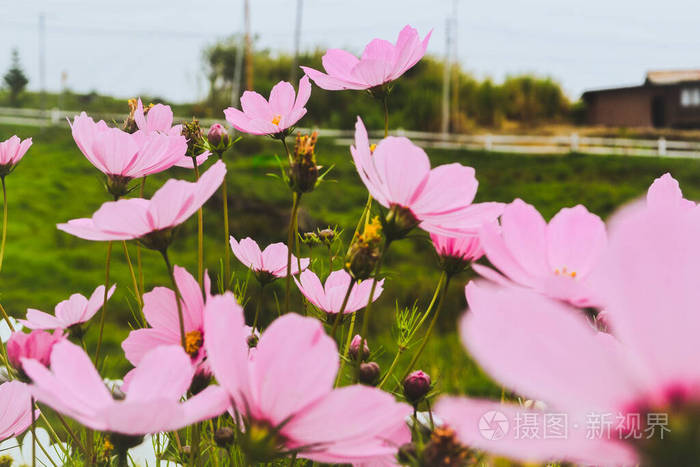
column 248, row 47
column 237, row 71
column 455, row 63
column 297, row 40
column 42, row 60
column 446, row 80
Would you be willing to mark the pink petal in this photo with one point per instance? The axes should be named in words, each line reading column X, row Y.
column 665, row 193
column 226, row 346
column 524, row 233
column 544, row 350
column 126, row 218
column 493, row 427
column 575, row 240
column 248, row 252
column 255, row 106
column 500, row 256
column 39, row 320
column 310, row 286
column 282, row 98
column 211, row 402
column 292, row 346
column 404, row 169
column 141, row 341
column 339, row 63
column 15, row 415
column 163, row 373
column 331, row 83
column 192, row 297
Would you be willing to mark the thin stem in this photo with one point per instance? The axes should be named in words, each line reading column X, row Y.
column 290, row 240
column 139, row 265
column 346, row 349
column 368, row 308
column 258, row 306
column 227, row 247
column 133, row 275
column 104, row 304
column 70, row 432
column 342, row 307
column 178, row 298
column 386, row 115
column 417, row 355
column 402, row 348
column 6, row 317
column 194, row 451
column 4, row 221
column 200, row 233
column 31, row 407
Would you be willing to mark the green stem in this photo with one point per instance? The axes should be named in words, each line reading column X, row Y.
column 342, row 307
column 6, row 317
column 402, row 348
column 346, row 349
column 290, row 240
column 133, row 275
column 200, row 233
column 104, row 304
column 227, row 247
column 139, row 265
column 368, row 308
column 417, row 355
column 178, row 298
column 386, row 115
column 258, row 306
column 70, row 432
column 194, row 451
column 4, row 221
column 31, row 407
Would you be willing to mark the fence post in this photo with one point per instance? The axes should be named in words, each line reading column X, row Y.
column 574, row 142
column 662, row 146
column 488, row 142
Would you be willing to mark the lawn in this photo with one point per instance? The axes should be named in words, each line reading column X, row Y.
column 55, row 183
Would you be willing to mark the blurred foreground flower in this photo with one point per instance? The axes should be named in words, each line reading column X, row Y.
column 305, row 414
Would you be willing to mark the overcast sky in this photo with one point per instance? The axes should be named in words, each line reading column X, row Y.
column 129, row 47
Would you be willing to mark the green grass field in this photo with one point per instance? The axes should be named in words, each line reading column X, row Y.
column 55, row 183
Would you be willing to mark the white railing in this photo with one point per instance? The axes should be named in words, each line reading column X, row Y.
column 525, row 144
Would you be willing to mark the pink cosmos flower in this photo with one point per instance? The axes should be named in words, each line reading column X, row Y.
column 119, row 154
column 15, row 403
column 37, row 345
column 343, row 425
column 329, row 297
column 159, row 119
column 11, row 151
column 380, row 63
column 398, row 175
column 465, row 247
column 152, row 403
column 75, row 310
column 149, row 220
column 260, row 117
column 555, row 259
column 160, row 310
column 545, row 350
column 268, row 264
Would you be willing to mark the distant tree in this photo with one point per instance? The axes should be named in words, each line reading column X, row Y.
column 15, row 79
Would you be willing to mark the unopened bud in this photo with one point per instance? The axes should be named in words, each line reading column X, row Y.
column 310, row 238
column 303, row 171
column 399, row 222
column 224, row 436
column 252, row 340
column 416, row 386
column 218, row 138
column 129, row 125
column 118, row 185
column 363, row 254
column 407, row 453
column 369, row 373
column 326, row 236
column 355, row 348
column 195, row 137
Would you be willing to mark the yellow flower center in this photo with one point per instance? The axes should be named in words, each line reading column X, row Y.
column 372, row 147
column 564, row 272
column 276, row 119
column 193, row 342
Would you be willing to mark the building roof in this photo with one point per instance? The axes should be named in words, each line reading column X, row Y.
column 672, row 76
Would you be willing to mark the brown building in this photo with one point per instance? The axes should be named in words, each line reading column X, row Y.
column 666, row 99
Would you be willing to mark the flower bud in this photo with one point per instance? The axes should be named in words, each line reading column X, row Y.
column 369, row 373
column 129, row 125
column 224, row 436
column 303, row 171
column 399, row 222
column 252, row 341
column 118, row 185
column 416, row 386
column 355, row 348
column 36, row 345
column 195, row 137
column 326, row 236
column 407, row 454
column 363, row 254
column 310, row 238
column 218, row 138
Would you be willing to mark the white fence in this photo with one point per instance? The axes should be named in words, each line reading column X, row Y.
column 525, row 144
